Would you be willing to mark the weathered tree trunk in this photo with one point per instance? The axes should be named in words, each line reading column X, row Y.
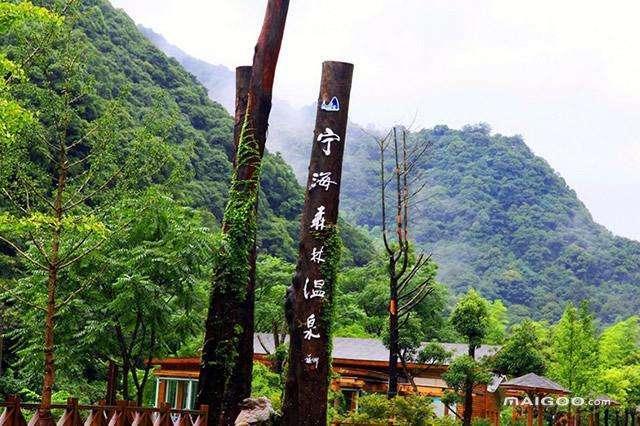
column 468, row 393
column 49, row 357
column 52, row 285
column 309, row 304
column 224, row 324
column 239, row 385
column 1, row 346
column 393, row 333
column 112, row 383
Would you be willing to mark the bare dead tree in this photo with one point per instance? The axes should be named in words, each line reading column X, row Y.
column 407, row 288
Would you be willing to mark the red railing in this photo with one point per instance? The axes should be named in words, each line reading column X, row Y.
column 124, row 413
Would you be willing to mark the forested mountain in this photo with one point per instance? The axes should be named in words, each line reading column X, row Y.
column 126, row 65
column 216, row 78
column 498, row 218
column 130, row 161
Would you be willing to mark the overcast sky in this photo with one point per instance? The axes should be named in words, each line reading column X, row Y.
column 563, row 74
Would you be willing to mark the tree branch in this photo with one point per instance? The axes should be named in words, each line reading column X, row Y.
column 83, row 254
column 23, row 254
column 14, row 202
column 19, row 298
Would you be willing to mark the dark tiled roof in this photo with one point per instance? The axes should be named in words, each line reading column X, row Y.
column 368, row 349
column 533, row 381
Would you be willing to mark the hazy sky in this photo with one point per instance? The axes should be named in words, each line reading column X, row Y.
column 563, row 74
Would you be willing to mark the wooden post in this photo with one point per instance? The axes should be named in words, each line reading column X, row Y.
column 225, row 319
column 71, row 416
column 201, row 420
column 239, row 386
column 243, row 80
column 12, row 415
column 112, row 383
column 309, row 304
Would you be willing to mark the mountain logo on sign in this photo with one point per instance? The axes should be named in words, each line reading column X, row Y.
column 334, row 105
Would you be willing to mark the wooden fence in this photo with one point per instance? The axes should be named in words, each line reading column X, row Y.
column 124, row 413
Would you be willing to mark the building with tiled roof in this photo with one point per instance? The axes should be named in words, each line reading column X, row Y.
column 360, row 365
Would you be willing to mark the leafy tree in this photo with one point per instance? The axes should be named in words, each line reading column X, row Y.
column 619, row 342
column 272, row 278
column 87, row 189
column 497, row 322
column 410, row 410
column 268, row 384
column 574, row 350
column 434, row 353
column 622, row 384
column 72, row 168
column 463, row 371
column 470, row 318
column 522, row 352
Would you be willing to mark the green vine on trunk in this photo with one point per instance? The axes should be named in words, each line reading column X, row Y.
column 329, row 269
column 239, row 230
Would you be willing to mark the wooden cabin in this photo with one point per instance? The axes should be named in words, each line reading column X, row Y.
column 361, row 366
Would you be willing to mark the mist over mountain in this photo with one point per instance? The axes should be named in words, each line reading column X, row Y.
column 497, row 217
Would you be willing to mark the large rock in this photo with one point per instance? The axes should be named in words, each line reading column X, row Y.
column 256, row 411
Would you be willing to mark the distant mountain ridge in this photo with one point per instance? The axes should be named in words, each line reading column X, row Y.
column 217, row 79
column 498, row 218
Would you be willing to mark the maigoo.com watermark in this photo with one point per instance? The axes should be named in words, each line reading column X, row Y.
column 560, row 401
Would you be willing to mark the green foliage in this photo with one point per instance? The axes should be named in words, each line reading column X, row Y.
column 622, row 383
column 267, row 383
column 375, row 406
column 434, row 353
column 362, row 306
column 522, row 352
column 470, row 318
column 410, row 410
column 574, row 351
column 156, row 150
column 501, row 220
column 496, row 323
column 273, row 276
column 619, row 342
column 414, row 410
column 465, row 368
column 481, row 422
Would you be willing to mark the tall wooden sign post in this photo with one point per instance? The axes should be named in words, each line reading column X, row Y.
column 224, row 361
column 310, row 297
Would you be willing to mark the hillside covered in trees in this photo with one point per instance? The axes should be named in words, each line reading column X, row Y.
column 147, row 160
column 114, row 174
column 497, row 218
column 127, row 67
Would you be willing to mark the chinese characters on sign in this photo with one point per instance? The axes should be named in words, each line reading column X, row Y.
column 317, row 222
column 316, row 255
column 311, row 360
column 322, row 179
column 316, row 290
column 310, row 298
column 311, row 326
column 326, row 138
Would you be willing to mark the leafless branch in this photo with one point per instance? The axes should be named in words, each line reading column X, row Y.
column 96, row 191
column 20, row 299
column 39, row 246
column 42, row 197
column 14, row 202
column 24, row 254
